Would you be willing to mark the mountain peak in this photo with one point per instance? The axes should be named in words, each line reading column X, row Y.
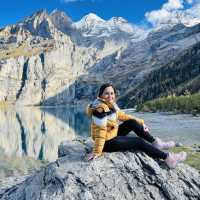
column 55, row 11
column 39, row 14
column 89, row 21
column 92, row 17
column 38, row 24
column 59, row 14
column 37, row 17
column 60, row 20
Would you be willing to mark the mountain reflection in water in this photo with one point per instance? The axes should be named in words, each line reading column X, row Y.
column 37, row 132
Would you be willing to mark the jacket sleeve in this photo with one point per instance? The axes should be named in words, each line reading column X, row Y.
column 123, row 117
column 100, row 130
column 99, row 141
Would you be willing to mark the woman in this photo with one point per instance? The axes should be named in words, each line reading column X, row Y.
column 109, row 136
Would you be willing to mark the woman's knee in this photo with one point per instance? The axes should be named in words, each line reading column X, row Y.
column 134, row 124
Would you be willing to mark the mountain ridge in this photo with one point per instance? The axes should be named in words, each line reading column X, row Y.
column 74, row 62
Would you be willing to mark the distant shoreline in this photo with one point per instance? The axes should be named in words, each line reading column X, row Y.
column 189, row 104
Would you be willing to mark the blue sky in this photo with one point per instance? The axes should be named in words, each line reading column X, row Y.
column 135, row 11
column 12, row 11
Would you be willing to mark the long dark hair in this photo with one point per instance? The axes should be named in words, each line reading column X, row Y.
column 104, row 86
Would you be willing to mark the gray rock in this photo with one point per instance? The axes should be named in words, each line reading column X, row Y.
column 119, row 175
column 178, row 144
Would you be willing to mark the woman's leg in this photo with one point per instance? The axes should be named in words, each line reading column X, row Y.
column 132, row 125
column 124, row 143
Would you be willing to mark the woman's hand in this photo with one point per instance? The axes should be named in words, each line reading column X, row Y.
column 146, row 128
column 91, row 156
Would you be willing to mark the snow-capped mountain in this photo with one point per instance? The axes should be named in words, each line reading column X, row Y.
column 88, row 22
column 93, row 26
column 57, row 25
column 49, row 59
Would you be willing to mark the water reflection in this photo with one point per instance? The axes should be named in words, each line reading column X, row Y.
column 74, row 116
column 35, row 132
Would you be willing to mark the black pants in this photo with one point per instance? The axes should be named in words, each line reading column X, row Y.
column 123, row 142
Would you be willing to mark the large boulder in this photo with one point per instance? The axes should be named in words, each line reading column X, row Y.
column 119, row 175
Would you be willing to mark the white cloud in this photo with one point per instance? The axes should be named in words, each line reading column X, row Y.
column 173, row 12
column 158, row 16
column 173, row 5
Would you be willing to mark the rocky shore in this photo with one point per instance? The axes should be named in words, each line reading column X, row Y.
column 116, row 175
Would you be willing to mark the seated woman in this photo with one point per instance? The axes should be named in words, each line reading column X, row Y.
column 110, row 136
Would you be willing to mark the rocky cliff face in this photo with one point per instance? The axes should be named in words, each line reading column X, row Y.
column 114, row 176
column 43, row 56
column 48, row 59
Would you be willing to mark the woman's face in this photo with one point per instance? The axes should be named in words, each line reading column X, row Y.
column 109, row 94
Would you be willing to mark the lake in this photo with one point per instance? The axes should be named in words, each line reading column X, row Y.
column 37, row 131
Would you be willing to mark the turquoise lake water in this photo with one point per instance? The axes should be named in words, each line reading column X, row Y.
column 37, row 132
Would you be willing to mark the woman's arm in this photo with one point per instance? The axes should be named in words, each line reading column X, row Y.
column 99, row 140
column 99, row 131
column 123, row 117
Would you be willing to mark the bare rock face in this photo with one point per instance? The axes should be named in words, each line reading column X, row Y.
column 42, row 57
column 47, row 59
column 116, row 175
